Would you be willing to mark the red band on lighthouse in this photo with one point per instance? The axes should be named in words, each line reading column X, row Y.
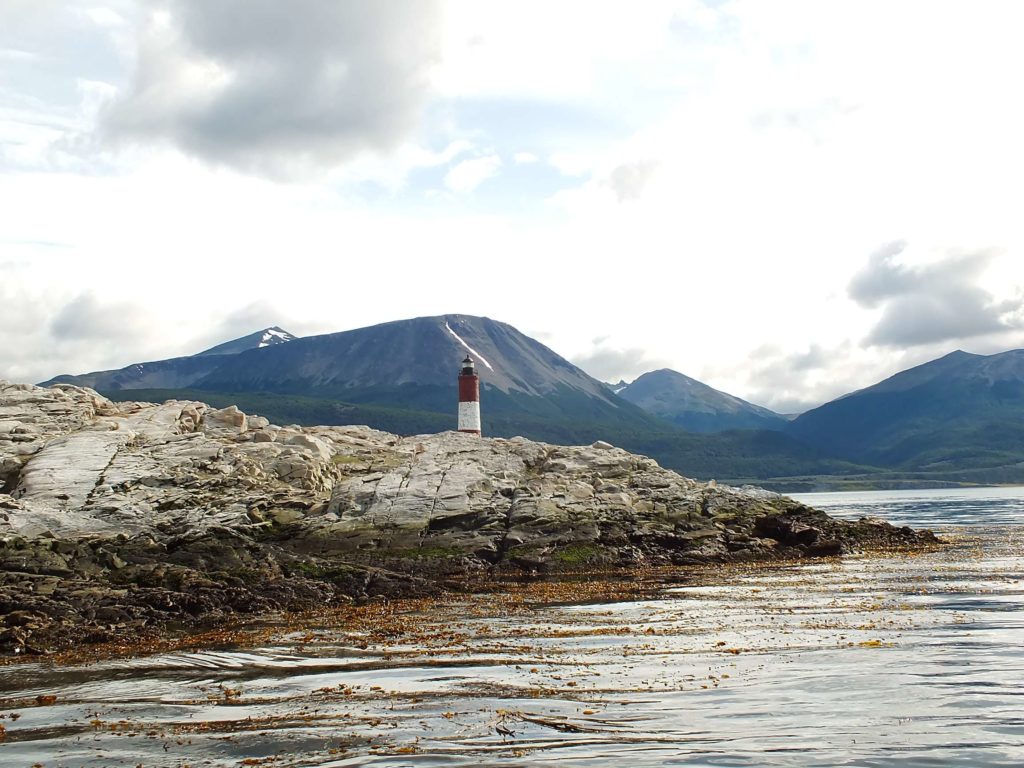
column 469, row 389
column 469, row 398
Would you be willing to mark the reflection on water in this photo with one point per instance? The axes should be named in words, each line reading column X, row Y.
column 927, row 508
column 868, row 661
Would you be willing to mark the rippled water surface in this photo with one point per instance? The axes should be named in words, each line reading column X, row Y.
column 867, row 661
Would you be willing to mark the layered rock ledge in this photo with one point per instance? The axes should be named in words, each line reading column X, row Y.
column 117, row 518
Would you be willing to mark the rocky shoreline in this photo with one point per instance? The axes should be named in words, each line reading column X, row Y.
column 119, row 519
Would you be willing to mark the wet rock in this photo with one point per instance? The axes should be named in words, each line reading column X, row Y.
column 786, row 530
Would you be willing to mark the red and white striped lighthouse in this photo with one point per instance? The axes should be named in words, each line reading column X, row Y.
column 469, row 398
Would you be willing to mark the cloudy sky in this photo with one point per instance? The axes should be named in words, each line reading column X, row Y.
column 787, row 200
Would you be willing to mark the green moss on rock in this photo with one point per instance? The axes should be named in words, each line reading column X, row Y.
column 578, row 555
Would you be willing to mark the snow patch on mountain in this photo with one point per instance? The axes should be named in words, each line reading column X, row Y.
column 267, row 337
column 274, row 336
column 472, row 351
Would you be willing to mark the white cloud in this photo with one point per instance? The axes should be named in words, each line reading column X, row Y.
column 940, row 301
column 293, row 89
column 470, row 174
column 629, row 179
column 13, row 54
column 551, row 51
column 714, row 176
column 611, row 364
column 105, row 17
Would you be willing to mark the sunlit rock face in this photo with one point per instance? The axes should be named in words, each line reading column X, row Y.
column 93, row 466
column 177, row 505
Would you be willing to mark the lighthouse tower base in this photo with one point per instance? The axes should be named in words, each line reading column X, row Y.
column 469, row 417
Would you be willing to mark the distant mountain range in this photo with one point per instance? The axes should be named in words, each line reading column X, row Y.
column 408, row 365
column 959, row 419
column 961, row 414
column 695, row 406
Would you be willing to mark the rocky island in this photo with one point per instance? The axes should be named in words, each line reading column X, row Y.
column 121, row 518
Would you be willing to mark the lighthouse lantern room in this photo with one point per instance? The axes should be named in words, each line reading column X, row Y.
column 469, row 398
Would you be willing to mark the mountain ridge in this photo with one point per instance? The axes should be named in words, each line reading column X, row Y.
column 905, row 418
column 410, row 365
column 694, row 405
column 174, row 372
column 257, row 340
column 417, row 350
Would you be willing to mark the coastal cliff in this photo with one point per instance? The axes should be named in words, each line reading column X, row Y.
column 117, row 518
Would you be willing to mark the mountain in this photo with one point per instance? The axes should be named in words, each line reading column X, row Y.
column 268, row 337
column 962, row 413
column 407, row 368
column 695, row 406
column 421, row 351
column 175, row 373
column 412, row 364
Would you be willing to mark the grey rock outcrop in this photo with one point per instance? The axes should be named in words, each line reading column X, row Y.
column 153, row 512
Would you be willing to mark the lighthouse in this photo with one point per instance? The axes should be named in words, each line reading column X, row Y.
column 469, row 398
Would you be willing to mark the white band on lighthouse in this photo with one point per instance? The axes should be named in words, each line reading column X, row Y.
column 469, row 417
